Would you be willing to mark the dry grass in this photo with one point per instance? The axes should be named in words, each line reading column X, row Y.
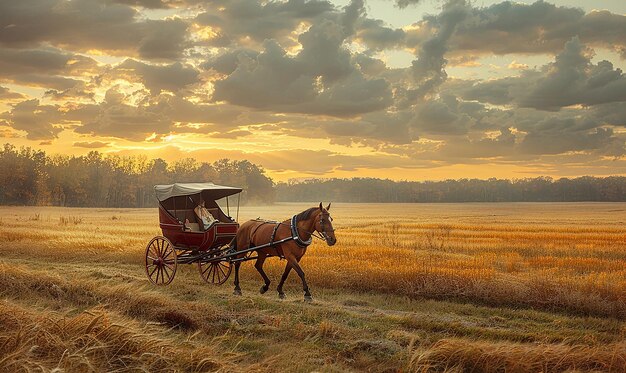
column 534, row 287
column 461, row 356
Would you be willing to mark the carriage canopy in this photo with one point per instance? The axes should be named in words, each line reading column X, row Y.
column 208, row 190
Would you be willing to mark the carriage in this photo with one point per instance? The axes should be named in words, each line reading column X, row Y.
column 185, row 240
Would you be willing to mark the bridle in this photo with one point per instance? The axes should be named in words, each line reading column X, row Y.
column 323, row 233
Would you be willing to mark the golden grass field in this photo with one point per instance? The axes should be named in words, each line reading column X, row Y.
column 511, row 287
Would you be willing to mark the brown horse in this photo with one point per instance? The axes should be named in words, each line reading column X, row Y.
column 295, row 235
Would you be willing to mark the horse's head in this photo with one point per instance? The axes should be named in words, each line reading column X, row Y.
column 324, row 225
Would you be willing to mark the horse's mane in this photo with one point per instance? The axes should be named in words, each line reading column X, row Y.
column 304, row 215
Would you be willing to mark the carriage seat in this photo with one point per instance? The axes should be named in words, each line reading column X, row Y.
column 193, row 227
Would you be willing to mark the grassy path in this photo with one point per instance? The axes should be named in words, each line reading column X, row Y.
column 340, row 331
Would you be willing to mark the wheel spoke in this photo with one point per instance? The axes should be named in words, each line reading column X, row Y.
column 152, row 249
column 219, row 266
column 211, row 272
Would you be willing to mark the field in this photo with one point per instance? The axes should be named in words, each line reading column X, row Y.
column 426, row 288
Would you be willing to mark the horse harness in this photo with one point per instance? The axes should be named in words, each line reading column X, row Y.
column 293, row 227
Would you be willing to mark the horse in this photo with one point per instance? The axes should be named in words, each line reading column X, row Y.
column 295, row 234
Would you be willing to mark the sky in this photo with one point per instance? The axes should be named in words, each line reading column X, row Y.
column 404, row 89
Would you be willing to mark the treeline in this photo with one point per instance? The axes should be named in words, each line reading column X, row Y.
column 539, row 189
column 30, row 177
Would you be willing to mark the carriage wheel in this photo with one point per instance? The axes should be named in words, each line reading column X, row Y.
column 160, row 261
column 215, row 273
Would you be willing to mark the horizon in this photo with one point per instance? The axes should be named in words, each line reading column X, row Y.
column 406, row 90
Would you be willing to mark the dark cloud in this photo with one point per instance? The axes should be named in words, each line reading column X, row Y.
column 38, row 121
column 557, row 136
column 459, row 148
column 510, row 27
column 84, row 25
column 321, row 79
column 227, row 62
column 405, row 3
column 429, row 67
column 44, row 67
column 571, row 80
column 448, row 115
column 157, row 78
column 376, row 35
column 241, row 20
column 166, row 40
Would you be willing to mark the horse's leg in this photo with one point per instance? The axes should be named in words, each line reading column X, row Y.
column 259, row 267
column 296, row 266
column 237, row 290
column 281, row 294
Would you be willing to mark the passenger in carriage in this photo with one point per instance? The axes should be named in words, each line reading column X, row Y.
column 204, row 215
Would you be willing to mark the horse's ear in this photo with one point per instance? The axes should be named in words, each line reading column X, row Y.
column 328, row 207
column 321, row 208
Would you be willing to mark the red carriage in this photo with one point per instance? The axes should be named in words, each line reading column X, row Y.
column 185, row 238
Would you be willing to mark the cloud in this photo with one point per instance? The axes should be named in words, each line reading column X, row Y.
column 227, row 62
column 84, row 25
column 161, row 115
column 242, row 21
column 429, row 67
column 38, row 121
column 115, row 118
column 6, row 95
column 91, row 144
column 376, row 35
column 321, row 79
column 319, row 162
column 44, row 67
column 572, row 79
column 171, row 77
column 557, row 136
column 518, row 28
column 405, row 3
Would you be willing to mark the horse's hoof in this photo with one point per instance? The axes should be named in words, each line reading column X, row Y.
column 237, row 292
column 281, row 295
column 308, row 298
column 264, row 288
